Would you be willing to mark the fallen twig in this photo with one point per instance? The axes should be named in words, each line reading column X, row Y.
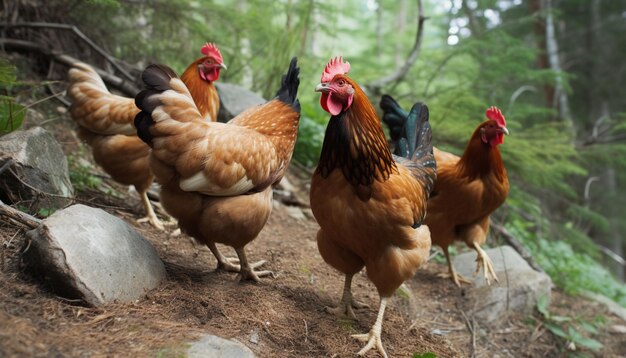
column 26, row 220
column 125, row 86
column 78, row 33
column 471, row 328
column 511, row 240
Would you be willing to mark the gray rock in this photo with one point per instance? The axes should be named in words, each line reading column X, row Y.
column 215, row 347
column 519, row 288
column 235, row 99
column 35, row 166
column 89, row 254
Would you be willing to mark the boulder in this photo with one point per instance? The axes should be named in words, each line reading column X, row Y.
column 33, row 170
column 235, row 99
column 519, row 288
column 213, row 346
column 88, row 254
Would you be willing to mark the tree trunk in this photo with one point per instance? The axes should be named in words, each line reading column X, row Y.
column 592, row 48
column 400, row 28
column 380, row 36
column 613, row 240
column 540, row 36
column 247, row 78
column 561, row 101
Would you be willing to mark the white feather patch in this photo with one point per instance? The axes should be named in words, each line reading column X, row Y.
column 200, row 183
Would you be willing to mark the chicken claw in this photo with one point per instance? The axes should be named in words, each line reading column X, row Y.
column 150, row 215
column 482, row 259
column 347, row 303
column 452, row 274
column 153, row 220
column 247, row 272
column 373, row 337
column 455, row 277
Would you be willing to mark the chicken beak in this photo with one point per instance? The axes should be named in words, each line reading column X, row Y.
column 223, row 66
column 504, row 130
column 322, row 87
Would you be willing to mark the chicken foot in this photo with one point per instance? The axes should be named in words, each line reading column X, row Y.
column 373, row 337
column 452, row 274
column 247, row 270
column 150, row 215
column 347, row 303
column 223, row 263
column 482, row 259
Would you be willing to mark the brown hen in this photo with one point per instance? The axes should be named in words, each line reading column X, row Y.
column 217, row 178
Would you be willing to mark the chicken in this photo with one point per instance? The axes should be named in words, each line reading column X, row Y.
column 105, row 121
column 369, row 204
column 467, row 191
column 217, row 178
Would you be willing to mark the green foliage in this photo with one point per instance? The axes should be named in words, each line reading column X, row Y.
column 424, row 355
column 81, row 176
column 573, row 270
column 11, row 112
column 569, row 329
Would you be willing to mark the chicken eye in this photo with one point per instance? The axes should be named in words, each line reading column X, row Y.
column 341, row 83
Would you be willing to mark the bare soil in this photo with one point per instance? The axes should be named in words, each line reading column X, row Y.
column 278, row 317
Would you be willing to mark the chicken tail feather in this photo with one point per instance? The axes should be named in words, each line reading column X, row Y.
column 156, row 79
column 288, row 90
column 394, row 117
column 415, row 138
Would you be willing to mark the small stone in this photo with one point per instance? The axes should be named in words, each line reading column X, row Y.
column 235, row 99
column 295, row 212
column 210, row 346
column 254, row 337
column 618, row 329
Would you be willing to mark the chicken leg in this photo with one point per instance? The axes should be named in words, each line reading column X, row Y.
column 223, row 263
column 150, row 215
column 247, row 271
column 482, row 259
column 347, row 303
column 452, row 274
column 373, row 337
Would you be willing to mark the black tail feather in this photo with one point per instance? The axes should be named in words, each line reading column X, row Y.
column 394, row 117
column 289, row 86
column 414, row 141
column 156, row 79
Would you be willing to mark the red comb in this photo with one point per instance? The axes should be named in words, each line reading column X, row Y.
column 210, row 50
column 335, row 66
column 495, row 114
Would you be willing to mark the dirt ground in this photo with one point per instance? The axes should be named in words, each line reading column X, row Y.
column 278, row 317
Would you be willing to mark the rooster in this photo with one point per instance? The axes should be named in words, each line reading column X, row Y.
column 105, row 120
column 217, row 178
column 370, row 204
column 467, row 191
